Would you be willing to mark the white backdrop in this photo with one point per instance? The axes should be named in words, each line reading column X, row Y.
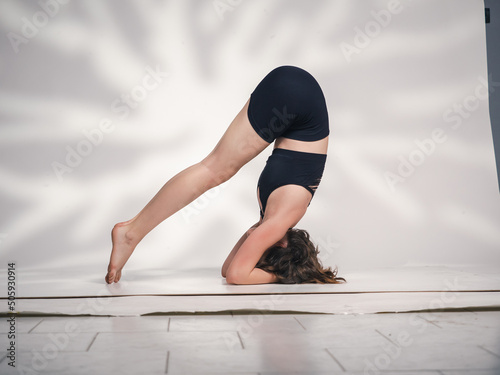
column 102, row 102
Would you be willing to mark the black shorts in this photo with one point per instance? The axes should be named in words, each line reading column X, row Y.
column 289, row 103
column 287, row 167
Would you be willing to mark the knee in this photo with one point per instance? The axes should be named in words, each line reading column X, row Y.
column 220, row 171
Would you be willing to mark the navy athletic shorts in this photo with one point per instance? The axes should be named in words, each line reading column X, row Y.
column 289, row 103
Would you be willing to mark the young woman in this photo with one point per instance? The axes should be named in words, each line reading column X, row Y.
column 287, row 107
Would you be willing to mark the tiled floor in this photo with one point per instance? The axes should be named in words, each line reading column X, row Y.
column 438, row 343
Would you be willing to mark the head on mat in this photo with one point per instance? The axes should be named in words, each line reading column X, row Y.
column 294, row 260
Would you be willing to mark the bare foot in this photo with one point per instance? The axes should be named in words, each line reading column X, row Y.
column 123, row 247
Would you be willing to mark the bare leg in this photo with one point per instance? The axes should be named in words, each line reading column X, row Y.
column 239, row 144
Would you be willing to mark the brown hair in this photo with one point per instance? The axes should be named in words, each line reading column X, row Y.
column 298, row 262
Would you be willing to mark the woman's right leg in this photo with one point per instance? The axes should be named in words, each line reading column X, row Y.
column 239, row 144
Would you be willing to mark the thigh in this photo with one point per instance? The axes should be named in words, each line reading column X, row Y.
column 239, row 144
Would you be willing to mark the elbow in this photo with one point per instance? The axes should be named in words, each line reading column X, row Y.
column 223, row 270
column 234, row 278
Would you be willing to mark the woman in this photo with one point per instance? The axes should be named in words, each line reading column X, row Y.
column 287, row 107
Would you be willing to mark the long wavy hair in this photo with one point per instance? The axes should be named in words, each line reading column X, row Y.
column 298, row 262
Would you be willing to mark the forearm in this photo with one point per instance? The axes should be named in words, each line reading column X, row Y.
column 235, row 249
column 232, row 254
column 258, row 276
column 242, row 269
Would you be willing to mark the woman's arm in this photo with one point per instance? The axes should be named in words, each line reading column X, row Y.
column 242, row 268
column 258, row 276
column 237, row 247
column 284, row 211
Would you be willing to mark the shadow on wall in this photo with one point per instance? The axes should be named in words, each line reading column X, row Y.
column 102, row 102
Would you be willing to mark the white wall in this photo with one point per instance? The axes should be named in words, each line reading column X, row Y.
column 399, row 86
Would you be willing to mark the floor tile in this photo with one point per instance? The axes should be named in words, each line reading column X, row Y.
column 104, row 324
column 202, row 323
column 494, row 350
column 482, row 319
column 340, row 338
column 76, row 363
column 333, row 321
column 22, row 324
column 50, row 342
column 224, row 341
column 199, row 361
column 413, row 357
column 245, row 322
column 425, row 333
column 268, row 324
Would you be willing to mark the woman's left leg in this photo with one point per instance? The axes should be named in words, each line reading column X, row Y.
column 239, row 144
